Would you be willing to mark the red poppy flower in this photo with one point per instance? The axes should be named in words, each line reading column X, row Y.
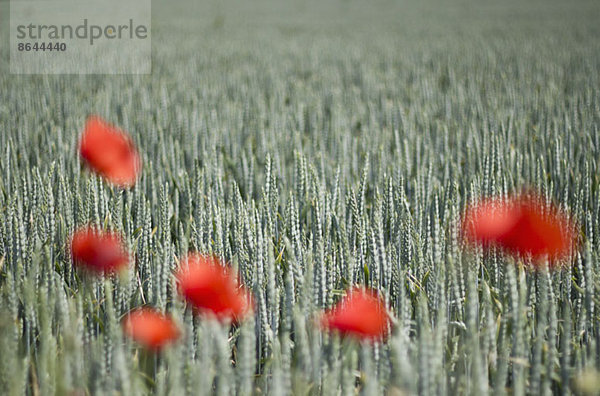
column 489, row 221
column 100, row 252
column 522, row 225
column 110, row 152
column 150, row 328
column 361, row 314
column 211, row 288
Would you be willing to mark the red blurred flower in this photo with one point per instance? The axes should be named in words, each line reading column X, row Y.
column 211, row 287
column 489, row 221
column 522, row 225
column 98, row 251
column 150, row 328
column 361, row 314
column 110, row 152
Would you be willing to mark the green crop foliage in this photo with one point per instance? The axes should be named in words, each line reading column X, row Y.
column 314, row 147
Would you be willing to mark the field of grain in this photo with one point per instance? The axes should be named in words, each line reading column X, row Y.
column 314, row 146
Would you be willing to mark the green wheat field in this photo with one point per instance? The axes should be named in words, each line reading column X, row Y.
column 314, row 146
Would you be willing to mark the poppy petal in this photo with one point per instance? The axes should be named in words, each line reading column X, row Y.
column 522, row 225
column 210, row 287
column 488, row 221
column 150, row 328
column 110, row 152
column 361, row 314
column 540, row 231
column 99, row 252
